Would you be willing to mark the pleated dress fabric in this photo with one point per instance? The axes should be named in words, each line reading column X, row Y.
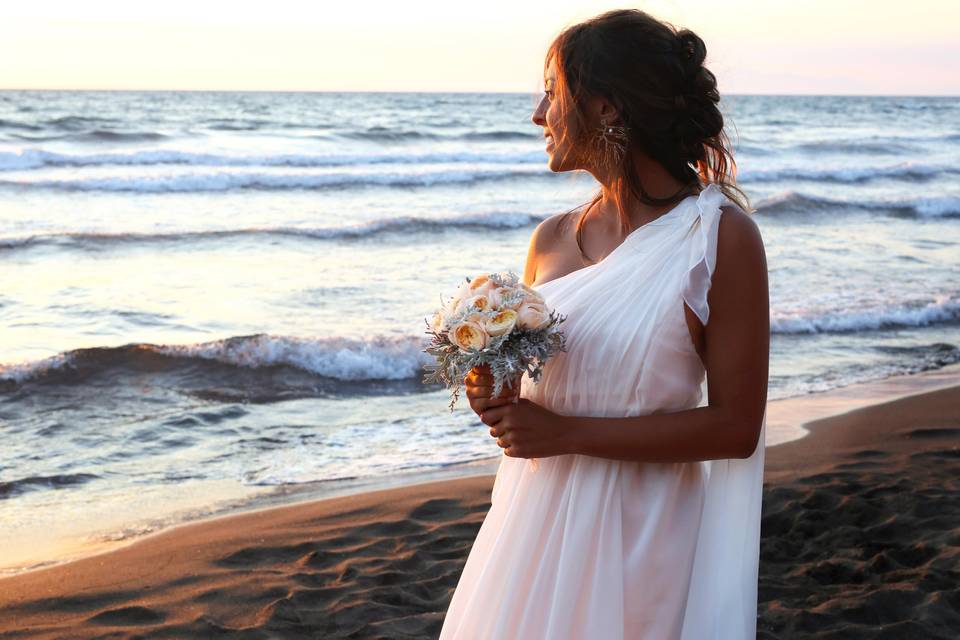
column 583, row 547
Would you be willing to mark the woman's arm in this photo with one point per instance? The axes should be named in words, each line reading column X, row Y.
column 737, row 337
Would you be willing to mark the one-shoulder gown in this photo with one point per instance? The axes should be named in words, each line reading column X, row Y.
column 583, row 547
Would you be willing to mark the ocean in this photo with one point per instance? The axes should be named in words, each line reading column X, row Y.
column 215, row 301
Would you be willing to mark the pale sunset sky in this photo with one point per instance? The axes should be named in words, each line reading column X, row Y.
column 878, row 47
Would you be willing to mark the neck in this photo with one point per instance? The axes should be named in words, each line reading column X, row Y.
column 657, row 183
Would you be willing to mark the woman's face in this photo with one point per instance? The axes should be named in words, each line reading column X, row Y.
column 548, row 116
column 568, row 150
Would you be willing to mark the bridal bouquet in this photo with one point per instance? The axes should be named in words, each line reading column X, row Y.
column 496, row 320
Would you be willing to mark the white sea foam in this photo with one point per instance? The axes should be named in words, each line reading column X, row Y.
column 454, row 168
column 377, row 358
column 392, row 357
column 195, row 183
column 21, row 371
column 943, row 308
column 27, row 159
column 792, row 201
column 341, row 358
column 937, row 207
column 845, row 174
column 385, row 447
column 485, row 220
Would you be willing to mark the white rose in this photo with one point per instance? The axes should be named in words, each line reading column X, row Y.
column 502, row 322
column 531, row 292
column 531, row 300
column 468, row 335
column 463, row 290
column 533, row 315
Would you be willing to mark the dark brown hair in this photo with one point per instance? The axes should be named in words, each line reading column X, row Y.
column 654, row 76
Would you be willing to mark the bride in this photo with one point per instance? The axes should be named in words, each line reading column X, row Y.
column 641, row 517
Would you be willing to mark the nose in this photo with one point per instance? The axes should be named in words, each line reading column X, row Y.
column 538, row 114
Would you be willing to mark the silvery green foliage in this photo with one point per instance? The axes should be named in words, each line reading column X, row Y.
column 508, row 355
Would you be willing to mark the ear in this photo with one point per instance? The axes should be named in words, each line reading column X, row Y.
column 605, row 110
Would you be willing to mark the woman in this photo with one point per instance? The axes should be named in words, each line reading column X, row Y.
column 641, row 518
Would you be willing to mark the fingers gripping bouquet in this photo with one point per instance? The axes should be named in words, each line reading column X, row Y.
column 496, row 320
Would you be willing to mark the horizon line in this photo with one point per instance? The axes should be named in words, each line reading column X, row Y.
column 464, row 92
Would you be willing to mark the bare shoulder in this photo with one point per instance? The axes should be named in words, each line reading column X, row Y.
column 550, row 230
column 543, row 241
column 739, row 242
column 739, row 288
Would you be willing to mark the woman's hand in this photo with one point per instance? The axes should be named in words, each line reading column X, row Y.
column 527, row 430
column 479, row 384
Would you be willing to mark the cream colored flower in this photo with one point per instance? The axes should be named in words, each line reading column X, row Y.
column 478, row 282
column 485, row 288
column 469, row 335
column 494, row 298
column 463, row 291
column 533, row 315
column 531, row 292
column 478, row 302
column 501, row 323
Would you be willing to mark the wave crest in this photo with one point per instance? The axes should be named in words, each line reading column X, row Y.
column 199, row 183
column 943, row 309
column 401, row 224
column 790, row 202
column 339, row 358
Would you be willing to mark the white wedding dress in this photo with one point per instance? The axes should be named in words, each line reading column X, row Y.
column 582, row 547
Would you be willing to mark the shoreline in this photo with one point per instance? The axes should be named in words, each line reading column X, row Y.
column 858, row 530
column 793, row 415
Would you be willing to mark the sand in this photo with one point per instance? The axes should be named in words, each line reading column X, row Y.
column 860, row 539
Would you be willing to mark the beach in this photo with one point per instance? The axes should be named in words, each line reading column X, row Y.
column 859, row 540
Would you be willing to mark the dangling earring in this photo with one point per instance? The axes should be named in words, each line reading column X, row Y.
column 611, row 143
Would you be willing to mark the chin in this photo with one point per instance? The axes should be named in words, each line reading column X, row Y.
column 559, row 163
column 554, row 163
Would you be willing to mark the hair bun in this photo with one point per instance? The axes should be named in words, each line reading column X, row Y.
column 699, row 84
column 701, row 120
column 692, row 49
